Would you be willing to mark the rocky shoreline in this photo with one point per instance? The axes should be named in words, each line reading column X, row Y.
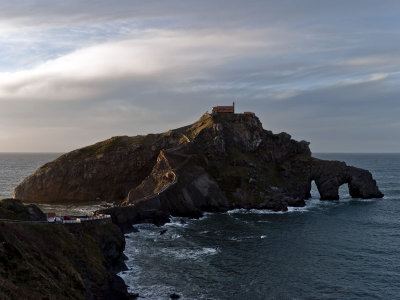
column 219, row 163
column 41, row 260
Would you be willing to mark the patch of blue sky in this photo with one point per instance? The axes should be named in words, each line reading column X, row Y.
column 21, row 50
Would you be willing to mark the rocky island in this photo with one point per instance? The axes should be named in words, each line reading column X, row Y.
column 221, row 162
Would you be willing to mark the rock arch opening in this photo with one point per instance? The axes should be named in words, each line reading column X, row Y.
column 336, row 180
column 314, row 193
column 344, row 191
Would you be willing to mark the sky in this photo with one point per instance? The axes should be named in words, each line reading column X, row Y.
column 76, row 72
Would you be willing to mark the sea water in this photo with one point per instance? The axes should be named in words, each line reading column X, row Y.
column 346, row 249
column 15, row 167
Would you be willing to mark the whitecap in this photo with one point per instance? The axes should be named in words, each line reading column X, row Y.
column 297, row 209
column 205, row 215
column 190, row 253
column 177, row 222
column 144, row 226
column 254, row 211
column 263, row 237
column 175, row 236
column 242, row 238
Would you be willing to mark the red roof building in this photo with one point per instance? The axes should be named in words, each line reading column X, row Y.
column 50, row 215
column 224, row 109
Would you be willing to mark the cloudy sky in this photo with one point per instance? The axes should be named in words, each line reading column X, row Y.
column 75, row 72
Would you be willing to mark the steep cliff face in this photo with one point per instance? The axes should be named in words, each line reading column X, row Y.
column 105, row 171
column 50, row 261
column 218, row 163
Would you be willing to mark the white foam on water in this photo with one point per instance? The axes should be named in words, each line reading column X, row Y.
column 177, row 222
column 311, row 204
column 175, row 236
column 365, row 200
column 205, row 215
column 156, row 291
column 76, row 209
column 254, row 211
column 144, row 226
column 184, row 222
column 131, row 251
column 131, row 276
column 151, row 233
column 297, row 209
column 190, row 253
column 243, row 238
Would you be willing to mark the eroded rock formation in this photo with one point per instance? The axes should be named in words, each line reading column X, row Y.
column 330, row 175
column 220, row 162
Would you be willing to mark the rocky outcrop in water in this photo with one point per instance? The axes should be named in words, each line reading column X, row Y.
column 218, row 163
column 330, row 175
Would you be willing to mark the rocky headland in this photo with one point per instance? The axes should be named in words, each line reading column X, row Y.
column 220, row 162
column 40, row 260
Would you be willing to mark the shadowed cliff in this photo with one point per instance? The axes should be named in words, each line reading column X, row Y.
column 39, row 260
column 220, row 162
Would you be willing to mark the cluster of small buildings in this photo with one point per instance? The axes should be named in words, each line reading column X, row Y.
column 53, row 218
column 227, row 110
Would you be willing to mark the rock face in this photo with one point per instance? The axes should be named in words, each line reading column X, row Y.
column 54, row 261
column 104, row 171
column 220, row 162
column 330, row 175
column 13, row 209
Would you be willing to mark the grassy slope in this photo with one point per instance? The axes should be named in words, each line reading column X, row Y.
column 46, row 261
column 13, row 209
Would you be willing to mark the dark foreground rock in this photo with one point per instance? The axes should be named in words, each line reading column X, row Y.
column 55, row 261
column 218, row 163
column 13, row 209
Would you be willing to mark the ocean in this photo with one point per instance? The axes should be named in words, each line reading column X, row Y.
column 346, row 249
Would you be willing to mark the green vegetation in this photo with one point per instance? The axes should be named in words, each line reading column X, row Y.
column 13, row 209
column 193, row 130
column 47, row 261
column 115, row 143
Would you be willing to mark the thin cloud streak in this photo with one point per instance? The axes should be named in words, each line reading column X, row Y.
column 84, row 71
column 89, row 71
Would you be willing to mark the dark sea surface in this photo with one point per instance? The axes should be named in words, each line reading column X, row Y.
column 14, row 167
column 346, row 249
